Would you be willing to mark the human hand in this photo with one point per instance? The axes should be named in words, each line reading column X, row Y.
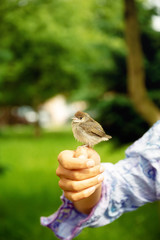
column 80, row 173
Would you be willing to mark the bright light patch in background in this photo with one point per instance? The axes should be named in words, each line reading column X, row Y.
column 28, row 113
column 156, row 23
column 155, row 18
column 31, row 116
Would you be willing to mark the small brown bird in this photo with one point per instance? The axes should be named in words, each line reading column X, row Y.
column 87, row 130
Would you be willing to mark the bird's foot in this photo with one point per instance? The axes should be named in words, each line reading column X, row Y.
column 86, row 145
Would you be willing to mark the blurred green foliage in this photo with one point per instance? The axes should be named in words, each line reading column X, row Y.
column 76, row 48
column 49, row 47
column 29, row 189
column 120, row 119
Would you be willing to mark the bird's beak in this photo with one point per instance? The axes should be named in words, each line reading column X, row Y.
column 74, row 118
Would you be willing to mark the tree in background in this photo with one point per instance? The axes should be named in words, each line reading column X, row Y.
column 46, row 48
column 76, row 48
column 135, row 66
column 117, row 110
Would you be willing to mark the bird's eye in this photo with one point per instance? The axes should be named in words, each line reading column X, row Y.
column 80, row 118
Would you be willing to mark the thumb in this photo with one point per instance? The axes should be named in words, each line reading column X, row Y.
column 81, row 152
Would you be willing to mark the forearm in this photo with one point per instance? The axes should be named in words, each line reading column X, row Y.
column 86, row 205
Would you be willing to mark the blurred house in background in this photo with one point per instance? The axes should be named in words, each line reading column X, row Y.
column 56, row 111
column 53, row 113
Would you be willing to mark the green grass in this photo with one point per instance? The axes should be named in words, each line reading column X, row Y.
column 29, row 189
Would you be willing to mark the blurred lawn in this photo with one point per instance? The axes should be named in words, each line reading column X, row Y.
column 29, row 189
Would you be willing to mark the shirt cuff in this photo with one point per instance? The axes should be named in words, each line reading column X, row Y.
column 67, row 222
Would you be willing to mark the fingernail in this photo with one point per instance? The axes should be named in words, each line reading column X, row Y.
column 92, row 189
column 90, row 163
column 81, row 156
column 101, row 169
column 100, row 178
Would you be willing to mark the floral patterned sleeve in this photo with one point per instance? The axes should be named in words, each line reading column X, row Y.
column 127, row 185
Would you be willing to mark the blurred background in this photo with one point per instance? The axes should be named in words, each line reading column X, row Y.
column 58, row 57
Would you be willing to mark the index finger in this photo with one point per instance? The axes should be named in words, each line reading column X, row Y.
column 88, row 152
column 94, row 155
column 68, row 161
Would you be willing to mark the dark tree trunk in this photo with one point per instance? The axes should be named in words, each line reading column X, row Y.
column 5, row 115
column 37, row 127
column 135, row 67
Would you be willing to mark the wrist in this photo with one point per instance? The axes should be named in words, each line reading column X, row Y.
column 86, row 205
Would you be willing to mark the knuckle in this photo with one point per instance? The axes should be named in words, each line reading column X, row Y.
column 60, row 184
column 61, row 158
column 93, row 171
column 75, row 175
column 73, row 186
column 74, row 198
column 57, row 172
column 84, row 194
column 63, row 162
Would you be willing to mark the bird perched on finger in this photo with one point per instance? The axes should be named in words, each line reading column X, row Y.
column 87, row 130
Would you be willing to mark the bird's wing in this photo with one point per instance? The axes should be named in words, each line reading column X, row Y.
column 98, row 131
column 91, row 129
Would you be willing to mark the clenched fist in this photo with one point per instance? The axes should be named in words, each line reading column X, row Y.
column 80, row 174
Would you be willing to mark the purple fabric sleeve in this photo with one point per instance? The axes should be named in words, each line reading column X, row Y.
column 127, row 185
